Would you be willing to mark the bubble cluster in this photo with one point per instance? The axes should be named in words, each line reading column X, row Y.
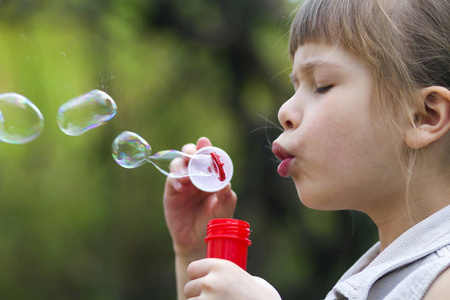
column 86, row 112
column 20, row 120
column 210, row 169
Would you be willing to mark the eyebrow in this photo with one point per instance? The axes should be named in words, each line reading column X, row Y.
column 311, row 65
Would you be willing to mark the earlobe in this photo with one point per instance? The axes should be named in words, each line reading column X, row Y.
column 433, row 120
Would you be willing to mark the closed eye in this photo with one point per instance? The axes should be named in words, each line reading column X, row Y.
column 323, row 90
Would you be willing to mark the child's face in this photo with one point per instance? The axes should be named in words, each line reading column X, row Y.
column 336, row 146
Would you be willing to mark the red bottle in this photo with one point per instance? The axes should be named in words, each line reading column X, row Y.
column 228, row 239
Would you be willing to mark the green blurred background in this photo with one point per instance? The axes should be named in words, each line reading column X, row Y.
column 74, row 224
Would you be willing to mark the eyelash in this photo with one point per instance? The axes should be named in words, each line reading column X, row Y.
column 323, row 90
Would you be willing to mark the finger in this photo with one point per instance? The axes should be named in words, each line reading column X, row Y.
column 174, row 186
column 202, row 267
column 193, row 288
column 189, row 149
column 198, row 268
column 203, row 142
column 196, row 271
column 225, row 204
column 177, row 166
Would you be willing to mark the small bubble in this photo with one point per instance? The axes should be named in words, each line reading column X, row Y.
column 130, row 150
column 86, row 112
column 20, row 120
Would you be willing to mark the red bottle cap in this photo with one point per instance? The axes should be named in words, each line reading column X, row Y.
column 228, row 239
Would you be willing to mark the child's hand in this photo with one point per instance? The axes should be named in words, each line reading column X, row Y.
column 223, row 280
column 188, row 210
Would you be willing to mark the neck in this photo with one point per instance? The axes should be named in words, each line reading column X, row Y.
column 397, row 216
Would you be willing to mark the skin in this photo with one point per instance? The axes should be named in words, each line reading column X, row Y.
column 345, row 155
column 440, row 288
column 338, row 142
column 342, row 155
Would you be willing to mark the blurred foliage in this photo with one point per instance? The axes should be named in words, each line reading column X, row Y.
column 75, row 225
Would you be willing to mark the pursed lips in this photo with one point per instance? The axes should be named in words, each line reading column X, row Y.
column 284, row 156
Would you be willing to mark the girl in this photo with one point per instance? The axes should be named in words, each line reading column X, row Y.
column 367, row 129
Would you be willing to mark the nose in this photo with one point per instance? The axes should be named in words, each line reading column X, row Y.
column 289, row 115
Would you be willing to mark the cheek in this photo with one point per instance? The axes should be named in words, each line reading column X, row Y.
column 328, row 134
column 338, row 146
column 344, row 158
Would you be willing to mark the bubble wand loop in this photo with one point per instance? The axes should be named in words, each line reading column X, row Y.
column 210, row 168
column 161, row 159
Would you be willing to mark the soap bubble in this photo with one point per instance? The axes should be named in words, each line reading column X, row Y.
column 20, row 120
column 130, row 150
column 86, row 112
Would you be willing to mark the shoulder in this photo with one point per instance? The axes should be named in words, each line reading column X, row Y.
column 427, row 278
column 440, row 289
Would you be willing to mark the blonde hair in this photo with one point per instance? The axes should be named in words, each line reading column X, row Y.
column 405, row 43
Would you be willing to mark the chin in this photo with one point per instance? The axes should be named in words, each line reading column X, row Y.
column 329, row 198
column 319, row 202
column 316, row 205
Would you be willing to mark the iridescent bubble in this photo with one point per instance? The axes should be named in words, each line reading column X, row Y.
column 20, row 120
column 86, row 112
column 130, row 150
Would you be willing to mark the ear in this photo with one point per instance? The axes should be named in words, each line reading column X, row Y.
column 433, row 120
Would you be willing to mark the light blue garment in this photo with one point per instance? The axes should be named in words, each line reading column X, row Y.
column 405, row 269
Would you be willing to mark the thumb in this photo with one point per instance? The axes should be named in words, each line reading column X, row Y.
column 225, row 204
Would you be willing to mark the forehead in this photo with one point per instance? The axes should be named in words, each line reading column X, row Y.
column 311, row 56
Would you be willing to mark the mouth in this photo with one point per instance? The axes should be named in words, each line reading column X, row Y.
column 284, row 156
